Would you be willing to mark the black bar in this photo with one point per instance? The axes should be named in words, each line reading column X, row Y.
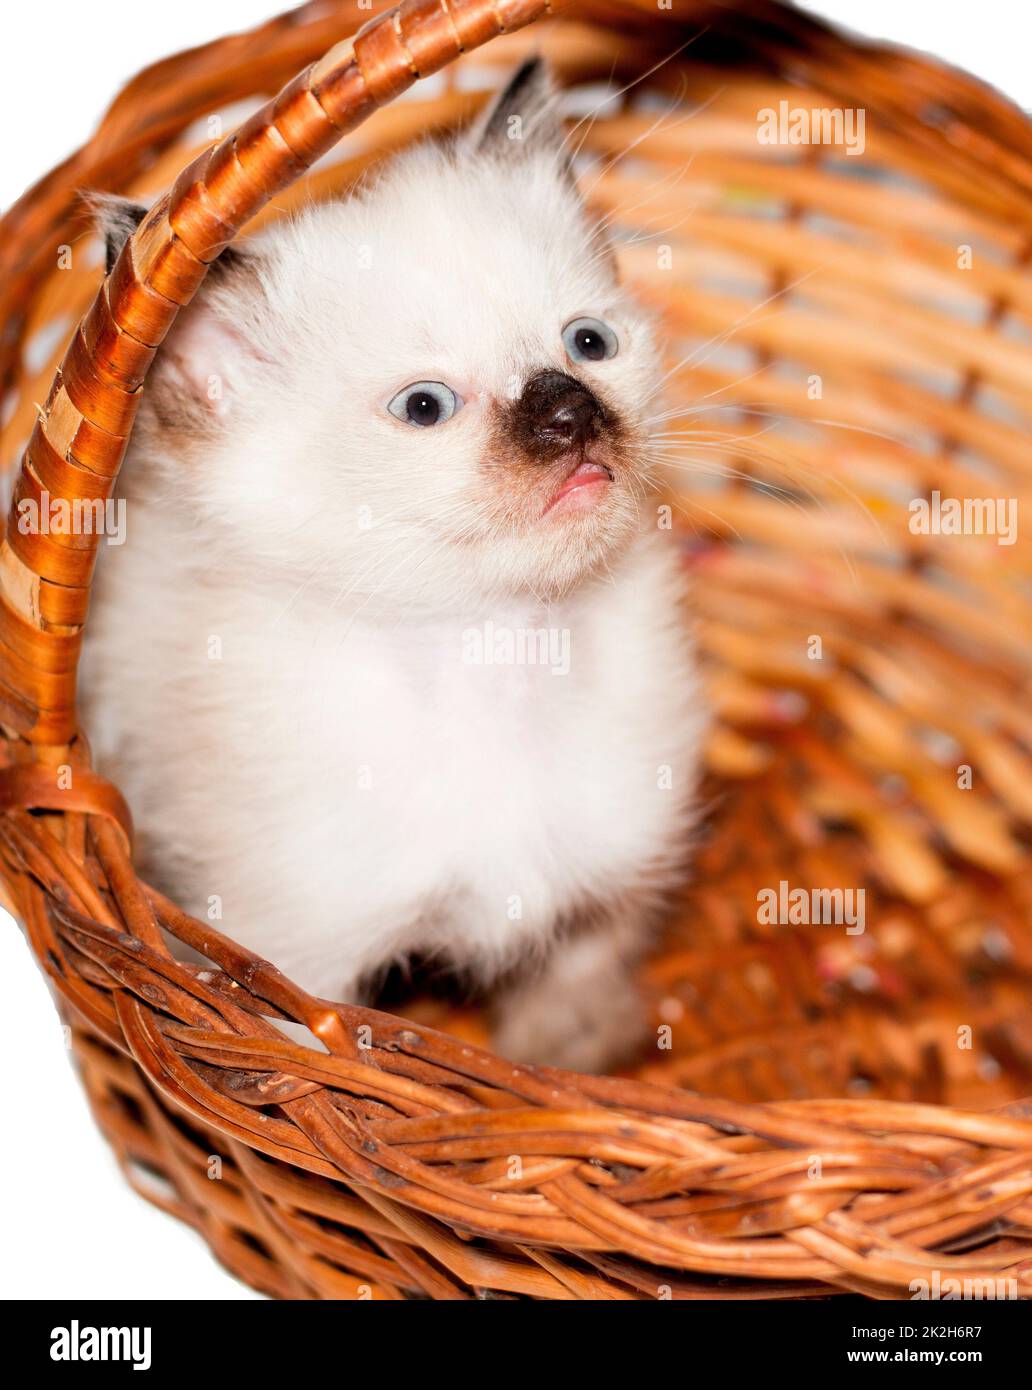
column 200, row 1339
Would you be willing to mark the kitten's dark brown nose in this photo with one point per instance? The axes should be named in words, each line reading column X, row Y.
column 556, row 412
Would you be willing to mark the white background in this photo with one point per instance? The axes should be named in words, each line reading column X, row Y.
column 71, row 1228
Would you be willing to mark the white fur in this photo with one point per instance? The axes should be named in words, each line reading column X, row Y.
column 339, row 778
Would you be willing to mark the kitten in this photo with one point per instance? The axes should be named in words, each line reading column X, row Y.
column 393, row 660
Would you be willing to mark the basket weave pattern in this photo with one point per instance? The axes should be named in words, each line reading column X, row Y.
column 827, row 1112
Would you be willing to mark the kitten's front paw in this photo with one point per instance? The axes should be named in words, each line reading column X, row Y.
column 589, row 1034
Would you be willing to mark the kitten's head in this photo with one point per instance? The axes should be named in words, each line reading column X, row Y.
column 431, row 390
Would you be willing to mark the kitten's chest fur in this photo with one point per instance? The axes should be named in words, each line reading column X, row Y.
column 343, row 788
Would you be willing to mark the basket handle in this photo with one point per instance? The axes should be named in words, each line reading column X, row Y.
column 80, row 437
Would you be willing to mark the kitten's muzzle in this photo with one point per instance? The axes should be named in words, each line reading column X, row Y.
column 556, row 413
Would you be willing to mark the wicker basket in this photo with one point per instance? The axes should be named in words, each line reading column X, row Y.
column 825, row 1111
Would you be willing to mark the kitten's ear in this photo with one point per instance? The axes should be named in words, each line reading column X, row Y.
column 524, row 115
column 117, row 218
column 525, row 118
column 215, row 341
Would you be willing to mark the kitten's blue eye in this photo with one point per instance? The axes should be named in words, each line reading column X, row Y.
column 425, row 403
column 589, row 340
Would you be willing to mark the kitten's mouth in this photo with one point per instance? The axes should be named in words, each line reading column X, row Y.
column 582, row 487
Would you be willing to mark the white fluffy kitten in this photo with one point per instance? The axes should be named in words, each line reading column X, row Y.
column 425, row 457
